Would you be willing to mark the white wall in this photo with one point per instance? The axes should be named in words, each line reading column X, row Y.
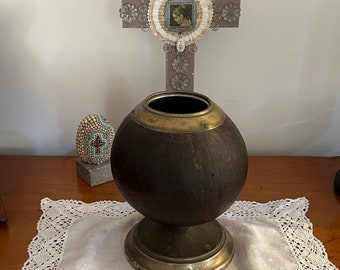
column 277, row 75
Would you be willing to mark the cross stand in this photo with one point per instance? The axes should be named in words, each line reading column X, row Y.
column 180, row 65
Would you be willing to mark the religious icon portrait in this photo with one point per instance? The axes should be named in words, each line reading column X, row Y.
column 180, row 16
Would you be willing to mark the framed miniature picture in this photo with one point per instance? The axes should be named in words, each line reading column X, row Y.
column 180, row 22
column 180, row 16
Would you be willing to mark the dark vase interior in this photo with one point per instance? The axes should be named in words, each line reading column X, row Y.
column 179, row 105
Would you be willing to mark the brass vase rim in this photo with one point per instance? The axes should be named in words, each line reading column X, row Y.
column 165, row 94
column 201, row 120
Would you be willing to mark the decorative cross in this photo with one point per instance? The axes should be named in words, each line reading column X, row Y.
column 180, row 57
column 97, row 143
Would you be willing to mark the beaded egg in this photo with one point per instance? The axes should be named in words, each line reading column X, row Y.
column 94, row 139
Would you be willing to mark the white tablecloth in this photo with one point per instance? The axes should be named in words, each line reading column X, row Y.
column 75, row 235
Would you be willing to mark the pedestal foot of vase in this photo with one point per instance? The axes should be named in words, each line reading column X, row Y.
column 154, row 246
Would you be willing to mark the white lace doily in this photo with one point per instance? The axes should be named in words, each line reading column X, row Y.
column 77, row 235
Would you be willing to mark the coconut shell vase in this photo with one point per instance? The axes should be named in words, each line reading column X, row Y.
column 180, row 161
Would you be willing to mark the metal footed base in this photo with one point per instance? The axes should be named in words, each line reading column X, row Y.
column 153, row 246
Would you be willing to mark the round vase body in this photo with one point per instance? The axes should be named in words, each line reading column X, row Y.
column 178, row 159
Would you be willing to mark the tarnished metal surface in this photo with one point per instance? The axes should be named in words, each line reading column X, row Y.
column 178, row 112
column 208, row 246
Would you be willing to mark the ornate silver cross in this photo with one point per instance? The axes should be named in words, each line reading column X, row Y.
column 165, row 18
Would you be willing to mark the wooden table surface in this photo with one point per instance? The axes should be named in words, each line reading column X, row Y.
column 25, row 180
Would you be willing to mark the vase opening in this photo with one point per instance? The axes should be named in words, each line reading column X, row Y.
column 180, row 104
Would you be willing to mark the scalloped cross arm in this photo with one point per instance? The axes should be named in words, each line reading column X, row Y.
column 179, row 37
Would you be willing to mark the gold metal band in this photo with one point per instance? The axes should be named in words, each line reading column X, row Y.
column 198, row 121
